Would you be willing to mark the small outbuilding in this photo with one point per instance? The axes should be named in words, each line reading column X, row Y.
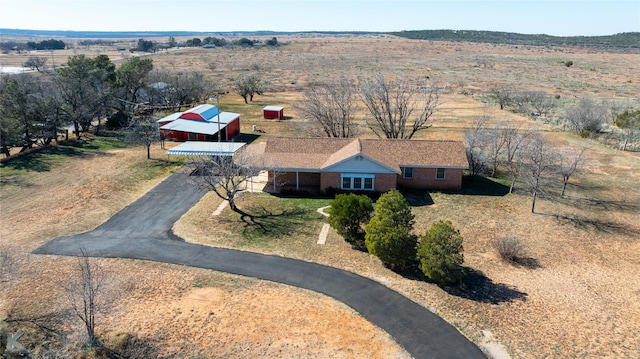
column 273, row 112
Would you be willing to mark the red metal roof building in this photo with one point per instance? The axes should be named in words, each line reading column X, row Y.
column 201, row 123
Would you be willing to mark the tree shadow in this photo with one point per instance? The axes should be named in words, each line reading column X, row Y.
column 473, row 286
column 599, row 225
column 482, row 186
column 607, row 205
column 480, row 288
column 40, row 159
column 43, row 159
column 418, row 198
column 526, row 262
column 259, row 222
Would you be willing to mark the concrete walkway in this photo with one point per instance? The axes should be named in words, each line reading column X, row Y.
column 142, row 231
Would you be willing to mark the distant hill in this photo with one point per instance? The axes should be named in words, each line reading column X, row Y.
column 626, row 42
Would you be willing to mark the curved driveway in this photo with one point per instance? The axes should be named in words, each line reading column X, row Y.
column 142, row 231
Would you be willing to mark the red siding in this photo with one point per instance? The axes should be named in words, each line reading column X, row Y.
column 233, row 129
column 191, row 116
column 270, row 114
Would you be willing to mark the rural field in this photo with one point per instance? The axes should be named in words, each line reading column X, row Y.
column 575, row 296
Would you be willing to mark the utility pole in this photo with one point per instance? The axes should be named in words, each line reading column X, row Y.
column 218, row 105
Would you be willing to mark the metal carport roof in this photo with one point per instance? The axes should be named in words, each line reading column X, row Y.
column 199, row 148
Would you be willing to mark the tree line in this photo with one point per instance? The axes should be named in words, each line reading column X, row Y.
column 148, row 45
column 88, row 94
column 629, row 41
column 587, row 117
column 526, row 156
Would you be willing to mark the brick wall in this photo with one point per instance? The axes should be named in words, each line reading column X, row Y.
column 425, row 178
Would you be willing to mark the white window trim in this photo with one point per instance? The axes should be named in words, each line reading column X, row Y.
column 357, row 175
column 444, row 173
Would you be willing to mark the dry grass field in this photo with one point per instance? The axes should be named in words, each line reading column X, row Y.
column 576, row 297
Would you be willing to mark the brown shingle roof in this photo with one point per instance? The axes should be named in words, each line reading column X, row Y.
column 319, row 153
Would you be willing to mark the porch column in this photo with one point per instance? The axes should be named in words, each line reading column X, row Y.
column 274, row 181
column 297, row 188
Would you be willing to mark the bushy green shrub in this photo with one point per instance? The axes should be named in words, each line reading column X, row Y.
column 347, row 215
column 440, row 253
column 388, row 234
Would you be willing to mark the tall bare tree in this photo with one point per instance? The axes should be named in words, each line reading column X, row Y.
column 540, row 161
column 399, row 108
column 226, row 175
column 83, row 291
column 331, row 107
column 515, row 142
column 495, row 142
column 474, row 146
column 143, row 131
column 569, row 163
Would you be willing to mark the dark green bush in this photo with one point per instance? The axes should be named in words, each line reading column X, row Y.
column 348, row 214
column 388, row 234
column 440, row 253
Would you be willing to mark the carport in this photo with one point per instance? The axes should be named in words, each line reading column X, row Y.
column 199, row 148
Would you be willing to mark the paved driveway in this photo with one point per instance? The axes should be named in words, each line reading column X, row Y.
column 142, row 231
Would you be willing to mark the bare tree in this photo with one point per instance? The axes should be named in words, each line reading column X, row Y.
column 83, row 291
column 474, row 146
column 587, row 115
column 9, row 264
column 515, row 141
column 144, row 131
column 35, row 63
column 495, row 140
column 392, row 104
column 540, row 102
column 540, row 161
column 225, row 175
column 189, row 88
column 503, row 95
column 331, row 107
column 570, row 162
column 248, row 86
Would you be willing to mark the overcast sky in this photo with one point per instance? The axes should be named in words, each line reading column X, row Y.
column 560, row 18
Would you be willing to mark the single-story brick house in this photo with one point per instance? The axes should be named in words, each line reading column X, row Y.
column 201, row 123
column 319, row 164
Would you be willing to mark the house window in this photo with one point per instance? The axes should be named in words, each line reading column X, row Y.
column 346, row 182
column 368, row 184
column 357, row 182
column 440, row 173
column 407, row 172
